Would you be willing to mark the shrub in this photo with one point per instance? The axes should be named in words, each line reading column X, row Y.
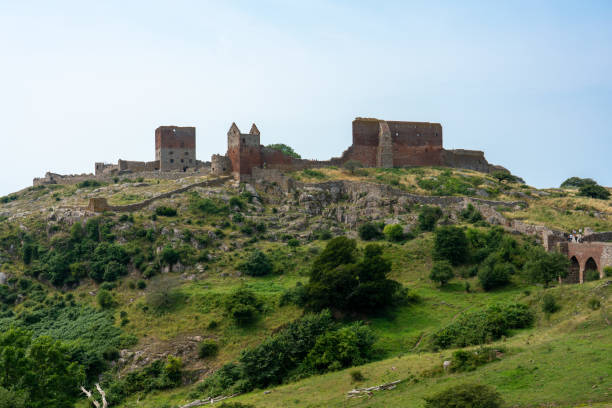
column 283, row 148
column 577, row 182
column 169, row 255
column 206, row 206
column 141, row 284
column 369, row 231
column 594, row 191
column 469, row 360
column 506, row 176
column 338, row 280
column 258, row 264
column 357, row 376
column 243, row 306
column 493, row 274
column 293, row 243
column 451, row 244
column 345, row 347
column 608, row 271
column 591, row 275
column 208, row 348
column 471, row 214
column 105, row 299
column 236, row 202
column 441, row 272
column 483, row 326
column 164, row 211
column 428, row 217
column 544, row 267
column 465, row 396
column 594, row 303
column 88, row 183
column 394, row 232
column 549, row 304
column 352, row 165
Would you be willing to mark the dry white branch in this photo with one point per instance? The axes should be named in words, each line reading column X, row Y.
column 91, row 397
column 368, row 392
column 210, row 401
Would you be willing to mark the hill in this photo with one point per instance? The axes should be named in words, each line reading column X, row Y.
column 125, row 290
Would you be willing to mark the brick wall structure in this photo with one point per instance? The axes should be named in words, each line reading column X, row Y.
column 175, row 147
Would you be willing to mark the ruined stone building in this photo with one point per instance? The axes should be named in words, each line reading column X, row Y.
column 376, row 143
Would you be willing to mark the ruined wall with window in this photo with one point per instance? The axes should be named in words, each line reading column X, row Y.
column 175, row 147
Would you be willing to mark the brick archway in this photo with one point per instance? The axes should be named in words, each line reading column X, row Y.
column 574, row 273
column 586, row 256
column 590, row 265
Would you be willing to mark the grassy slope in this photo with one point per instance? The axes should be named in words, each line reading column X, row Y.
column 574, row 332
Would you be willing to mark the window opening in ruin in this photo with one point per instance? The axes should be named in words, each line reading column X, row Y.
column 186, row 153
column 171, row 152
column 171, row 160
column 182, row 161
column 243, row 140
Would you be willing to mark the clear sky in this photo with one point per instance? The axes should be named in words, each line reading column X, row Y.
column 528, row 82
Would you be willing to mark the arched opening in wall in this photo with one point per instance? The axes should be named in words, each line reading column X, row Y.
column 591, row 271
column 574, row 271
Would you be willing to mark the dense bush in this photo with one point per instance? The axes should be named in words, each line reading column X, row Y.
column 9, row 398
column 428, row 217
column 549, row 304
column 169, row 255
column 165, row 211
column 257, row 264
column 465, row 396
column 207, row 206
column 338, row 280
column 159, row 375
column 591, row 275
column 236, row 202
column 469, row 360
column 345, row 347
column 506, row 176
column 243, row 306
column 577, row 182
column 105, row 299
column 494, row 274
column 394, row 232
column 283, row 148
column 88, row 183
column 41, row 371
column 470, row 214
column 545, row 267
column 594, row 191
column 608, row 271
column 208, row 348
column 369, row 231
column 441, row 272
column 451, row 244
column 483, row 326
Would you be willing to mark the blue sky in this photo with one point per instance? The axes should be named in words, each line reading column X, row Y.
column 527, row 82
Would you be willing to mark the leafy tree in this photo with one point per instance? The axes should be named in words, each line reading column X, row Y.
column 12, row 399
column 338, row 280
column 394, row 232
column 283, row 148
column 441, row 272
column 549, row 304
column 493, row 274
column 428, row 217
column 507, row 176
column 208, row 348
column 451, row 244
column 577, row 182
column 545, row 267
column 105, row 299
column 465, row 396
column 345, row 347
column 243, row 306
column 594, row 191
column 258, row 264
column 165, row 211
column 169, row 255
column 163, row 295
column 369, row 231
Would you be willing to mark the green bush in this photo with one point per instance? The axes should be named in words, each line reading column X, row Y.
column 286, row 150
column 345, row 347
column 483, row 326
column 494, row 274
column 207, row 206
column 208, row 348
column 141, row 284
column 369, row 231
column 243, row 306
column 338, row 280
column 293, row 243
column 465, row 396
column 428, row 217
column 169, row 256
column 577, row 182
column 258, row 264
column 105, row 299
column 549, row 304
column 394, row 232
column 506, row 176
column 352, row 165
column 469, row 360
column 357, row 376
column 591, row 275
column 9, row 398
column 164, row 211
column 594, row 303
column 471, row 214
column 594, row 191
column 451, row 244
column 88, row 183
column 441, row 272
column 236, row 202
column 608, row 271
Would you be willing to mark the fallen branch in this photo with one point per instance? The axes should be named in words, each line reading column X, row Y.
column 199, row 403
column 91, row 397
column 368, row 392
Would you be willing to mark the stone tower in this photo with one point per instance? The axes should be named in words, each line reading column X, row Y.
column 384, row 155
column 175, row 147
column 243, row 150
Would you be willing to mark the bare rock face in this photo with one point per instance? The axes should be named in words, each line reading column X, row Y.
column 3, row 278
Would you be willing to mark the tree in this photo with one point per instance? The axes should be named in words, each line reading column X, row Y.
column 428, row 217
column 465, row 396
column 243, row 306
column 169, row 255
column 594, row 191
column 441, row 272
column 352, row 165
column 339, row 281
column 369, row 231
column 451, row 244
column 258, row 264
column 394, row 232
column 577, row 182
column 545, row 267
column 494, row 274
column 105, row 299
column 283, row 148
